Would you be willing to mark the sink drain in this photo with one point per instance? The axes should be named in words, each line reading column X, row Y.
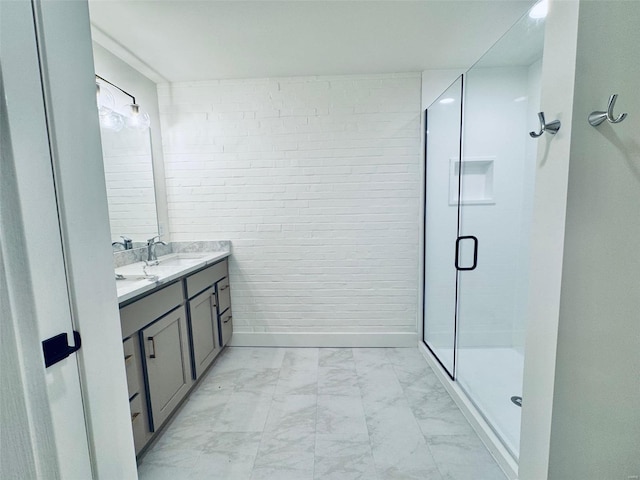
column 517, row 400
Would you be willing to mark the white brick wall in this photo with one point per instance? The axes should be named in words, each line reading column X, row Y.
column 316, row 182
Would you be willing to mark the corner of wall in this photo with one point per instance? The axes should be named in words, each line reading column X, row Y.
column 547, row 242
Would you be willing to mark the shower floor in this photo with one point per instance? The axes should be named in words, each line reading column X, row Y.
column 490, row 377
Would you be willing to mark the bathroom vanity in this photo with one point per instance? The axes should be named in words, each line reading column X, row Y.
column 176, row 318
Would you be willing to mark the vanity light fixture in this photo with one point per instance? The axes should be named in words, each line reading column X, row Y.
column 134, row 117
column 104, row 99
column 112, row 121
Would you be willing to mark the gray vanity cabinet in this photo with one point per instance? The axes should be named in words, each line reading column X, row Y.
column 204, row 330
column 167, row 364
column 170, row 337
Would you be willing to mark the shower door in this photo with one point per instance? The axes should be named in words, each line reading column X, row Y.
column 442, row 151
column 480, row 178
column 496, row 203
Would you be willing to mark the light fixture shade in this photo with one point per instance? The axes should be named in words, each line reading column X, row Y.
column 112, row 121
column 137, row 118
column 105, row 100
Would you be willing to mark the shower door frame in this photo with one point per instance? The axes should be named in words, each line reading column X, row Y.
column 451, row 374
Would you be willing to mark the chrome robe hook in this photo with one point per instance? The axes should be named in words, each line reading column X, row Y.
column 551, row 127
column 596, row 118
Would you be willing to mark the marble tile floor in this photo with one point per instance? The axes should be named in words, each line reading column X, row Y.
column 319, row 413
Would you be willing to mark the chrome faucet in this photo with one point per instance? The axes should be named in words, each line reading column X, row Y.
column 126, row 243
column 151, row 249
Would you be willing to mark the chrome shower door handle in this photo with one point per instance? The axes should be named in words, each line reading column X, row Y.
column 551, row 127
column 475, row 253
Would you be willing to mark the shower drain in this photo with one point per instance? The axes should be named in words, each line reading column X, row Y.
column 517, row 400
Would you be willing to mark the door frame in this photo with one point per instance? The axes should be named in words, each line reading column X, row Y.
column 62, row 30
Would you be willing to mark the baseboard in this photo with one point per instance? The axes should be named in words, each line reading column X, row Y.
column 504, row 459
column 348, row 339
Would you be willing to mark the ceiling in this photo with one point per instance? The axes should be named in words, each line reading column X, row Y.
column 186, row 40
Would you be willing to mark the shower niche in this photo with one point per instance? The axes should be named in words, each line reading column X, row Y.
column 480, row 165
column 477, row 176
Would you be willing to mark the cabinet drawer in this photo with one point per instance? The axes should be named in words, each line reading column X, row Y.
column 226, row 327
column 130, row 366
column 137, row 315
column 224, row 295
column 139, row 429
column 206, row 278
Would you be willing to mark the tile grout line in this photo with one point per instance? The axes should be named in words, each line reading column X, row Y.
column 375, row 466
column 262, row 433
column 315, row 427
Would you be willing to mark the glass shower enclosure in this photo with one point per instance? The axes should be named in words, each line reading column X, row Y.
column 480, row 164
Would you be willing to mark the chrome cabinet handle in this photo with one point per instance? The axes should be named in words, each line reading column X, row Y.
column 228, row 318
column 225, row 287
column 153, row 344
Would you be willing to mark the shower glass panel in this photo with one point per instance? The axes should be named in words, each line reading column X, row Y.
column 502, row 96
column 442, row 152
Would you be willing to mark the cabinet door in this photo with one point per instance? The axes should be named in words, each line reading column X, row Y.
column 167, row 364
column 204, row 331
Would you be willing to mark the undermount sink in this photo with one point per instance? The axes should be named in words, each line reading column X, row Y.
column 133, row 277
column 180, row 259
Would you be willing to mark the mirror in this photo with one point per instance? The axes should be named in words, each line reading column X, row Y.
column 128, row 169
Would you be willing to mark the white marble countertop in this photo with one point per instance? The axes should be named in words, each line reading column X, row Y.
column 138, row 278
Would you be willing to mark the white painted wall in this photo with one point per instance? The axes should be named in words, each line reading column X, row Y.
column 316, row 182
column 595, row 430
column 116, row 71
column 547, row 239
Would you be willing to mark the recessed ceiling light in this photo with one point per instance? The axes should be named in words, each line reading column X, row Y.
column 539, row 10
column 444, row 101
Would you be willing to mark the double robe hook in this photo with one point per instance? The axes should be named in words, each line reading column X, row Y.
column 598, row 117
column 551, row 127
